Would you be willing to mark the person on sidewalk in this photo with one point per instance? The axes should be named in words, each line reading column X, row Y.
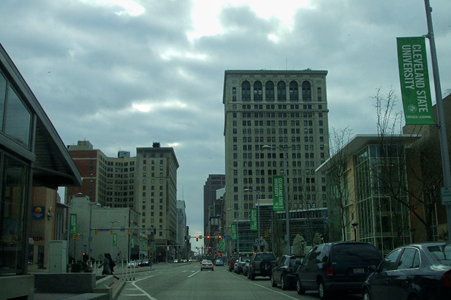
column 106, row 265
column 112, row 265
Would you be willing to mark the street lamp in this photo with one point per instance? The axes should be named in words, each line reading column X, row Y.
column 354, row 225
column 112, row 236
column 285, row 175
column 90, row 228
column 258, row 217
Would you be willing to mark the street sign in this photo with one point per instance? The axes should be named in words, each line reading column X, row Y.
column 446, row 195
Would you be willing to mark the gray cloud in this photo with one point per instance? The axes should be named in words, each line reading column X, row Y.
column 89, row 65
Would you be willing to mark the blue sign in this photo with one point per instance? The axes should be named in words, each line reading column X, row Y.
column 38, row 212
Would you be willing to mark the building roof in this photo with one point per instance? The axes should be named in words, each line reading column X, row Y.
column 53, row 166
column 360, row 141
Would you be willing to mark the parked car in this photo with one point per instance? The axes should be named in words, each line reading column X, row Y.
column 417, row 271
column 232, row 263
column 246, row 268
column 145, row 262
column 239, row 264
column 219, row 262
column 261, row 264
column 207, row 264
column 336, row 267
column 132, row 264
column 284, row 272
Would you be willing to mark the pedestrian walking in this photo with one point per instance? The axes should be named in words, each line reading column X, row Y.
column 106, row 265
column 112, row 265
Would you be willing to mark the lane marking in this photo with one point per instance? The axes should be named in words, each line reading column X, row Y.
column 193, row 274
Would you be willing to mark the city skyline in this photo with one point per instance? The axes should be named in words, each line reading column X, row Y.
column 125, row 74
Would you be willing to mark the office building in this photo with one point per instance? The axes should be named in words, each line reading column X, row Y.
column 270, row 114
column 147, row 183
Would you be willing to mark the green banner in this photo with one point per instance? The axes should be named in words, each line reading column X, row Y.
column 73, row 224
column 253, row 219
column 278, row 190
column 414, row 78
column 114, row 239
column 234, row 230
column 132, row 243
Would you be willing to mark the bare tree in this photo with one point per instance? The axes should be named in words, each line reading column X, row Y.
column 341, row 188
column 418, row 194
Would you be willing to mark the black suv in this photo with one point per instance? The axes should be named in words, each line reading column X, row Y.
column 340, row 266
column 261, row 264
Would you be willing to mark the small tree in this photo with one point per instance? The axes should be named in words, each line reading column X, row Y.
column 298, row 244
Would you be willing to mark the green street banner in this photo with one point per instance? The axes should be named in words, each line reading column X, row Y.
column 234, row 229
column 73, row 224
column 414, row 78
column 253, row 219
column 114, row 239
column 278, row 190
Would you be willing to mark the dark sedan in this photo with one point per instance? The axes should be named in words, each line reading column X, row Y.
column 417, row 271
column 284, row 272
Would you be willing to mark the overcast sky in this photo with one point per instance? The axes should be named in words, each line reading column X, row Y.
column 125, row 73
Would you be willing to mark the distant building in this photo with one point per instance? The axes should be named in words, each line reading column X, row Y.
column 146, row 183
column 212, row 208
column 270, row 114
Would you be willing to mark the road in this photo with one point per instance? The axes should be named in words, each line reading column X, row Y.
column 187, row 282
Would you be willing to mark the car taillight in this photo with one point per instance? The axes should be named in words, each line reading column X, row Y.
column 446, row 279
column 330, row 271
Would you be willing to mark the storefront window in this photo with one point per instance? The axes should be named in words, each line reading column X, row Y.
column 12, row 210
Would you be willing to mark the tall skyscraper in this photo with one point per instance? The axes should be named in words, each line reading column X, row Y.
column 269, row 114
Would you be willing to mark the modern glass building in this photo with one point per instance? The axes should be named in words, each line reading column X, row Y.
column 367, row 191
column 31, row 154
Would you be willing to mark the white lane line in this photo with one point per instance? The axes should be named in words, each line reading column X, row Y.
column 140, row 289
column 193, row 274
column 280, row 293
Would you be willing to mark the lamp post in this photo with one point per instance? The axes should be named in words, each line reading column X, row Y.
column 258, row 217
column 90, row 227
column 354, row 225
column 285, row 175
column 112, row 236
column 303, row 245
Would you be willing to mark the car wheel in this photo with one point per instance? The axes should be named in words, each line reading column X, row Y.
column 273, row 282
column 366, row 295
column 283, row 283
column 323, row 292
column 299, row 289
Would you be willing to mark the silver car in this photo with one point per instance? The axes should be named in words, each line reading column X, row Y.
column 207, row 265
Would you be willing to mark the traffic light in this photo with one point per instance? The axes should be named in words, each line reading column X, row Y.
column 74, row 236
column 128, row 231
column 96, row 232
column 219, row 237
column 197, row 238
column 85, row 257
column 111, row 231
column 78, row 238
column 208, row 237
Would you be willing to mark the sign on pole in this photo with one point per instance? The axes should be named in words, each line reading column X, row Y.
column 253, row 219
column 414, row 78
column 73, row 223
column 446, row 195
column 233, row 228
column 114, row 239
column 278, row 193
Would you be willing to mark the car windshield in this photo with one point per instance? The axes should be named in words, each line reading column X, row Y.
column 295, row 262
column 352, row 252
column 265, row 256
column 442, row 253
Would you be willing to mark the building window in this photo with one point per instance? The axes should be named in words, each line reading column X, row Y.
column 269, row 91
column 258, row 91
column 246, row 91
column 294, row 94
column 306, row 91
column 281, row 91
